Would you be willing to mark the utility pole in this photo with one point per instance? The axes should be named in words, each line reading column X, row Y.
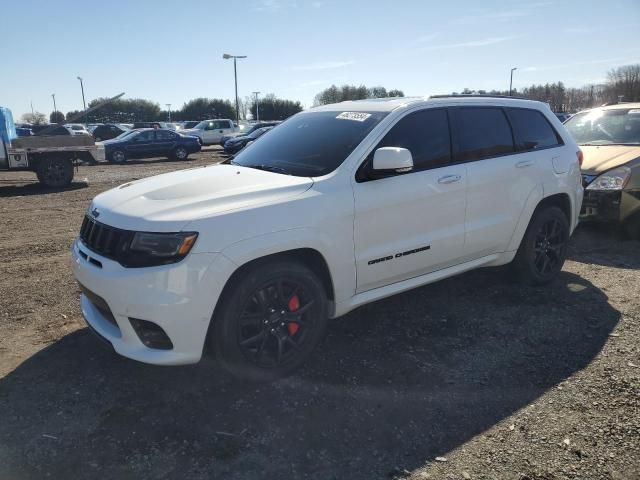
column 226, row 56
column 169, row 110
column 55, row 110
column 84, row 104
column 511, row 80
column 257, row 107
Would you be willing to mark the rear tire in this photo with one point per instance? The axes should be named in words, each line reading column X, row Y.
column 543, row 248
column 118, row 157
column 55, row 172
column 257, row 333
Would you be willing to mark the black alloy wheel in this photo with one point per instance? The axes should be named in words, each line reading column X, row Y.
column 269, row 321
column 550, row 244
column 543, row 248
column 274, row 322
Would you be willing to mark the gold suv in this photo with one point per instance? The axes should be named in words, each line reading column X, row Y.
column 609, row 138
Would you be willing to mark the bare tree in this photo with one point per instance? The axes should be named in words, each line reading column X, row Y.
column 625, row 81
column 36, row 118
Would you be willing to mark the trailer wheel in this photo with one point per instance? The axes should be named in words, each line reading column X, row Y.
column 55, row 172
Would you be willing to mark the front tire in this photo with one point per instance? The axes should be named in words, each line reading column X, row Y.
column 55, row 172
column 269, row 321
column 180, row 153
column 543, row 249
column 632, row 227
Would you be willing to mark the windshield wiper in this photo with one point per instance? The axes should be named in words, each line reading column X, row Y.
column 267, row 168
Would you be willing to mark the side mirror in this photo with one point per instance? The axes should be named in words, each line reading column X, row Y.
column 393, row 158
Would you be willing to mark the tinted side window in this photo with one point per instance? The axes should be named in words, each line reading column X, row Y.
column 165, row 135
column 531, row 129
column 145, row 136
column 482, row 132
column 425, row 134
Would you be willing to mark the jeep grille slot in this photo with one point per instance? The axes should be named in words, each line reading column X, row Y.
column 103, row 239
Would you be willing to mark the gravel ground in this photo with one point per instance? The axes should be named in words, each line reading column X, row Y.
column 470, row 378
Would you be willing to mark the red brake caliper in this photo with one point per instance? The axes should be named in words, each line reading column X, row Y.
column 294, row 304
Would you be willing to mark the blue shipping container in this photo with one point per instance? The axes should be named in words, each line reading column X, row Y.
column 7, row 127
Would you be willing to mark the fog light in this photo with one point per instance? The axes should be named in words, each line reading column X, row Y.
column 151, row 334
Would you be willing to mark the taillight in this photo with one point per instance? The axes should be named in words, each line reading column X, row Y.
column 580, row 156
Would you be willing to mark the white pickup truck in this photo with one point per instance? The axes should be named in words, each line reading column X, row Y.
column 50, row 157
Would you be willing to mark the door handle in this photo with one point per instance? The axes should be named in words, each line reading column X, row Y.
column 524, row 164
column 449, row 179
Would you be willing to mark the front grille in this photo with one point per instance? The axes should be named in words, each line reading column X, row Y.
column 104, row 240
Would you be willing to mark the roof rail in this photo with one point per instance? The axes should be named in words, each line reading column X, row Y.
column 481, row 95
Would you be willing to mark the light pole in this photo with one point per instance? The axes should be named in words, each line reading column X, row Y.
column 169, row 110
column 257, row 107
column 511, row 81
column 55, row 110
column 84, row 104
column 226, row 56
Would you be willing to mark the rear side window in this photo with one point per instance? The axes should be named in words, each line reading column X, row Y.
column 481, row 133
column 426, row 135
column 532, row 130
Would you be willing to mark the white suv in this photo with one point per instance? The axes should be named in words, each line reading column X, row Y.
column 211, row 131
column 338, row 206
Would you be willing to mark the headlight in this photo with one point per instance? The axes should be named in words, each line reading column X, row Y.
column 615, row 179
column 151, row 249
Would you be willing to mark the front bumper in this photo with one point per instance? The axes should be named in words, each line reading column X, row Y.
column 610, row 206
column 180, row 298
column 601, row 206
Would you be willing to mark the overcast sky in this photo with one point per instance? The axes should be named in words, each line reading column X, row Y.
column 171, row 51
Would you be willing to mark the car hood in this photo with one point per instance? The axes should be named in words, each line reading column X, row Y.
column 600, row 158
column 168, row 202
column 190, row 131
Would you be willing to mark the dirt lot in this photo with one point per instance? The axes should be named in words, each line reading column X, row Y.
column 473, row 377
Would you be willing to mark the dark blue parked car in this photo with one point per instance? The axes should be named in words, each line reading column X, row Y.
column 235, row 144
column 148, row 143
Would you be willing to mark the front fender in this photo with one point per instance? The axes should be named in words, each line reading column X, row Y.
column 340, row 261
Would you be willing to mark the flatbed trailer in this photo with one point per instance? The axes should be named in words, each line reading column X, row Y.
column 53, row 165
column 51, row 157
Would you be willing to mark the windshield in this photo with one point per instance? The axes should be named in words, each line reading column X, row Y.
column 202, row 125
column 606, row 127
column 310, row 144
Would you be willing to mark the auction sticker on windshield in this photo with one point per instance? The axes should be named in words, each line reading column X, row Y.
column 357, row 116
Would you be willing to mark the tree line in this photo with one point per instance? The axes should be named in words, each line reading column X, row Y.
column 335, row 94
column 622, row 83
column 140, row 110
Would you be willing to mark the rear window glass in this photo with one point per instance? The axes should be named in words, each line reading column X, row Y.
column 531, row 130
column 482, row 133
